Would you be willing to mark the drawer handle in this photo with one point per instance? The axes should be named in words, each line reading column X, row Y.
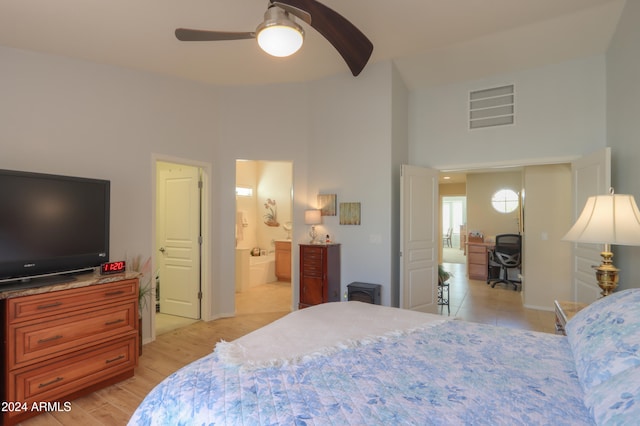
column 109, row 361
column 114, row 322
column 56, row 380
column 50, row 305
column 114, row 293
column 50, row 339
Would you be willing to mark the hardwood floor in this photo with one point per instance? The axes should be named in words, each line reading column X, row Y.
column 471, row 300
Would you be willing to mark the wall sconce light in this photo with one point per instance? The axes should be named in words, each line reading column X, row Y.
column 607, row 219
column 313, row 218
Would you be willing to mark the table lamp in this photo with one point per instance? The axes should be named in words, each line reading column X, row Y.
column 313, row 218
column 607, row 219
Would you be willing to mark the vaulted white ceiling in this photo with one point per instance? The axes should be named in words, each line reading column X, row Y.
column 431, row 41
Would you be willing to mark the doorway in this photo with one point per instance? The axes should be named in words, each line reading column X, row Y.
column 263, row 231
column 454, row 218
column 178, row 251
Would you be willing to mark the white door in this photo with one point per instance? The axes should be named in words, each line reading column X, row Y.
column 178, row 239
column 419, row 238
column 591, row 176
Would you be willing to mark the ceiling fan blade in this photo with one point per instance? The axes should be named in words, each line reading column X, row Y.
column 186, row 34
column 354, row 47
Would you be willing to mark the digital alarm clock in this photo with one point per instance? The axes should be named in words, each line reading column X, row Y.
column 109, row 268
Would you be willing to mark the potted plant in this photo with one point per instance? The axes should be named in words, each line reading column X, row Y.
column 144, row 291
column 443, row 275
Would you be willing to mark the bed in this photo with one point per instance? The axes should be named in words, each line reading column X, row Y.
column 351, row 363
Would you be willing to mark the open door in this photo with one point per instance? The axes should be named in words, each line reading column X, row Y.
column 419, row 238
column 591, row 176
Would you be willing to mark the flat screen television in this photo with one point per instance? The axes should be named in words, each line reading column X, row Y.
column 51, row 225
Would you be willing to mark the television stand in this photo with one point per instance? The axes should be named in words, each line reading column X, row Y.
column 66, row 340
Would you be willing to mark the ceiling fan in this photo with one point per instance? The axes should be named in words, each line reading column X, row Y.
column 354, row 47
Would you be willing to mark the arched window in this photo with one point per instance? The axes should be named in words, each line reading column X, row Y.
column 505, row 201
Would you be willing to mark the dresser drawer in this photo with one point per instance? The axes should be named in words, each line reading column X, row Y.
column 51, row 381
column 313, row 253
column 477, row 248
column 312, row 270
column 312, row 262
column 478, row 272
column 478, row 258
column 56, row 303
column 37, row 340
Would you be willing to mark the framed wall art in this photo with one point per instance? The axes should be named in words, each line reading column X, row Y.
column 349, row 213
column 327, row 204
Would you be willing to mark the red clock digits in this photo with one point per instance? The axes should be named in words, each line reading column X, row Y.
column 113, row 267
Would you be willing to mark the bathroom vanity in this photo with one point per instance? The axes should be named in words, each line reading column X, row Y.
column 283, row 260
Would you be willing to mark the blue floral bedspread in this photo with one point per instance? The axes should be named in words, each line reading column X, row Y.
column 451, row 374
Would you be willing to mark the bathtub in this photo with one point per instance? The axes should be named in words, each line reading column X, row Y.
column 252, row 271
column 262, row 269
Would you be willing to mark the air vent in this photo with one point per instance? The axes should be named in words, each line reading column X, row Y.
column 491, row 107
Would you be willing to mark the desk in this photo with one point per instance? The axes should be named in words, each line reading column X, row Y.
column 478, row 260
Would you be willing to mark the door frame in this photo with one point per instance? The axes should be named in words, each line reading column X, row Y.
column 489, row 167
column 205, row 248
column 294, row 251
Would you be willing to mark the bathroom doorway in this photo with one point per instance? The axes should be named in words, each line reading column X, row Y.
column 263, row 231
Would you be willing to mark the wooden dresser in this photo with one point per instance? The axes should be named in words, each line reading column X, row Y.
column 283, row 260
column 319, row 274
column 66, row 340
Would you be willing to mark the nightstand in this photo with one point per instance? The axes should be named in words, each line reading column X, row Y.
column 564, row 312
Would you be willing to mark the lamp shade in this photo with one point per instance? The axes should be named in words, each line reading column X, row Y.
column 312, row 217
column 278, row 34
column 607, row 219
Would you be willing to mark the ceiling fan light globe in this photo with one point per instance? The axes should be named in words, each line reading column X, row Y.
column 280, row 40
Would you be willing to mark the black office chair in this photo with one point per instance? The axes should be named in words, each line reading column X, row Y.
column 506, row 255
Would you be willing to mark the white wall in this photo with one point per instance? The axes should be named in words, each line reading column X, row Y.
column 350, row 156
column 247, row 236
column 623, row 125
column 560, row 115
column 547, row 217
column 560, row 112
column 257, row 123
column 481, row 216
